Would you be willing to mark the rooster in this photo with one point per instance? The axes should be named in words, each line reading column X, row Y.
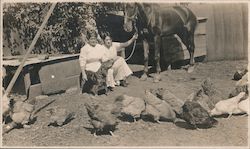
column 102, row 119
column 195, row 115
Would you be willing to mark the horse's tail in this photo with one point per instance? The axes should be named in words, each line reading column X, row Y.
column 186, row 15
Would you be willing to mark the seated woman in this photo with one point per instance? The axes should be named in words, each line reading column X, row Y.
column 91, row 55
column 120, row 70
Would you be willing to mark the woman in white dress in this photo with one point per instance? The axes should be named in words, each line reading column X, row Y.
column 120, row 69
column 91, row 54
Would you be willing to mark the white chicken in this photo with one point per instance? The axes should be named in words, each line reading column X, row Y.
column 228, row 106
column 244, row 106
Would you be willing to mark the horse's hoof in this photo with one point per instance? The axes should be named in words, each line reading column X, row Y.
column 190, row 69
column 26, row 126
column 144, row 77
column 157, row 78
column 156, row 81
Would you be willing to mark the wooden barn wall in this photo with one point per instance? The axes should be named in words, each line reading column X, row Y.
column 227, row 30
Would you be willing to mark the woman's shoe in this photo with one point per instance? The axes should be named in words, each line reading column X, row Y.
column 123, row 83
column 111, row 88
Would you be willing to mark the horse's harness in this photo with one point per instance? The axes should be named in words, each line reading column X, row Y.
column 136, row 29
column 133, row 50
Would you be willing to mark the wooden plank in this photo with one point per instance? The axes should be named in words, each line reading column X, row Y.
column 233, row 33
column 245, row 29
column 35, row 90
column 201, row 29
column 35, row 60
column 218, row 33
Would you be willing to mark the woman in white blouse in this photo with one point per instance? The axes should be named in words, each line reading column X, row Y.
column 91, row 54
column 120, row 69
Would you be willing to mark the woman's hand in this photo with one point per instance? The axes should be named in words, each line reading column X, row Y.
column 135, row 36
column 84, row 75
column 131, row 40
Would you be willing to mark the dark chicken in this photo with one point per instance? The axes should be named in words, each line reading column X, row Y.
column 195, row 115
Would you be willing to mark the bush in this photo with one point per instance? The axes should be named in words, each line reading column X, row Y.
column 63, row 33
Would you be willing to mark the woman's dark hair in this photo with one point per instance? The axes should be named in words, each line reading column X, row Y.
column 91, row 33
column 105, row 34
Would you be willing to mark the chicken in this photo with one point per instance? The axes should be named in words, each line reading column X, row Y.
column 210, row 90
column 157, row 108
column 170, row 98
column 5, row 107
column 228, row 106
column 239, row 74
column 102, row 118
column 21, row 114
column 60, row 116
column 203, row 99
column 238, row 89
column 130, row 106
column 244, row 106
column 243, row 80
column 98, row 79
column 195, row 115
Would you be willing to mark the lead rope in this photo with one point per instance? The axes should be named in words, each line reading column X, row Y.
column 133, row 50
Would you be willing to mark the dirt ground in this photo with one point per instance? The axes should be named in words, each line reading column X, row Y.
column 228, row 132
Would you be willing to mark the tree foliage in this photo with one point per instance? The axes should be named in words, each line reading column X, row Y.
column 64, row 30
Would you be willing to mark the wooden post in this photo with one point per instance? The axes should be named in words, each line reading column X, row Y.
column 19, row 69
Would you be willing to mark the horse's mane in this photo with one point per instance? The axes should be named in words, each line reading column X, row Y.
column 150, row 15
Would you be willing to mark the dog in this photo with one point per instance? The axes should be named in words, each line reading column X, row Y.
column 97, row 80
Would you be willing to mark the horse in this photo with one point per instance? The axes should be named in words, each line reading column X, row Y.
column 152, row 19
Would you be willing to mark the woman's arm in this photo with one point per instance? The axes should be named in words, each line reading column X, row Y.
column 83, row 61
column 126, row 44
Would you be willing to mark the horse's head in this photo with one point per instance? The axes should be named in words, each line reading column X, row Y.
column 130, row 15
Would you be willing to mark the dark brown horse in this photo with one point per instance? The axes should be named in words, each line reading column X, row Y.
column 153, row 19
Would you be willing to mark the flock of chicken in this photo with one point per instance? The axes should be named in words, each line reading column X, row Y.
column 161, row 105
column 158, row 105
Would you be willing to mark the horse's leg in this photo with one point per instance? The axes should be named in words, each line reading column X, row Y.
column 157, row 42
column 146, row 52
column 187, row 38
column 191, row 47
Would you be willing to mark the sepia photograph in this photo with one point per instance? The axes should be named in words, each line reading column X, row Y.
column 124, row 74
